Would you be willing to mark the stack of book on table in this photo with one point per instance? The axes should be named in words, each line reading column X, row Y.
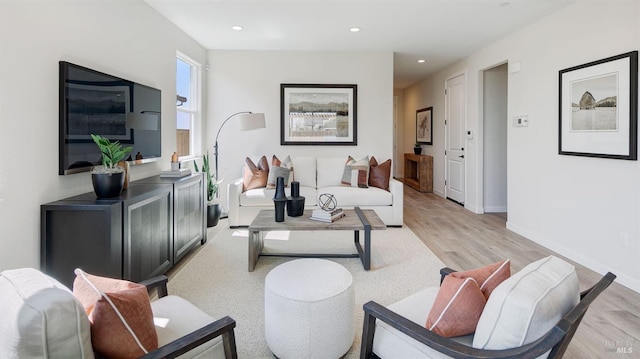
column 327, row 216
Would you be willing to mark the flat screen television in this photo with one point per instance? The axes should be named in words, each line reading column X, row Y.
column 92, row 102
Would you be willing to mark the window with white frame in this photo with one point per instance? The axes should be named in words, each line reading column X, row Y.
column 187, row 105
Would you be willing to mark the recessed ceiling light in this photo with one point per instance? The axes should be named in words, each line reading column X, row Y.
column 504, row 4
column 422, row 61
column 354, row 29
column 236, row 27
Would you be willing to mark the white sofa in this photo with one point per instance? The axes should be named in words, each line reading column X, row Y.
column 317, row 176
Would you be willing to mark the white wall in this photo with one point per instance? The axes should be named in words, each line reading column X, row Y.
column 126, row 39
column 401, row 131
column 250, row 81
column 578, row 207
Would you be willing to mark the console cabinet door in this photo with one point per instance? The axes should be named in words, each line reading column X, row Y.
column 189, row 215
column 148, row 232
column 81, row 234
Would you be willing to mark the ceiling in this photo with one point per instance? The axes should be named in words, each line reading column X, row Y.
column 439, row 31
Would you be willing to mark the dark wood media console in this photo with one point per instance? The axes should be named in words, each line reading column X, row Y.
column 138, row 235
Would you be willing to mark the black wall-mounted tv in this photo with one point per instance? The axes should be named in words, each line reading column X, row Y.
column 93, row 102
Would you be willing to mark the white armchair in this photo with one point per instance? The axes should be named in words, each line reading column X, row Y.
column 533, row 314
column 42, row 319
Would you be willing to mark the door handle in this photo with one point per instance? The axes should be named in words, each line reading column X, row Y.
column 461, row 156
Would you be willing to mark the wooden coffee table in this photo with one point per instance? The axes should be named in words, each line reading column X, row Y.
column 355, row 220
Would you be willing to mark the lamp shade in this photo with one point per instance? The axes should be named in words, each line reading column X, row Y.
column 251, row 121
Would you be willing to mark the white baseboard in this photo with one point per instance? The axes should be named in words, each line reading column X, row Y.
column 495, row 209
column 474, row 209
column 625, row 280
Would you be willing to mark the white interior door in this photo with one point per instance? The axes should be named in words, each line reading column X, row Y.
column 455, row 114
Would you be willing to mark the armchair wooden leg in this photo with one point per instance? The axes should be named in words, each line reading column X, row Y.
column 229, row 342
column 368, row 329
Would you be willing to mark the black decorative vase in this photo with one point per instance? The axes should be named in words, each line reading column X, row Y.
column 213, row 214
column 107, row 185
column 279, row 199
column 417, row 150
column 295, row 203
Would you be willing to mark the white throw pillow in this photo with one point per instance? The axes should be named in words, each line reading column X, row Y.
column 41, row 318
column 527, row 305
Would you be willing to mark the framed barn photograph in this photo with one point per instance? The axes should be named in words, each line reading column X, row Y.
column 424, row 126
column 313, row 114
column 599, row 108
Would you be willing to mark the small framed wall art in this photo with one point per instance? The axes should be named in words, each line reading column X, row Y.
column 599, row 108
column 313, row 114
column 424, row 126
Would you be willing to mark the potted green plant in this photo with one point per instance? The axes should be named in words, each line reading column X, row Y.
column 213, row 206
column 108, row 179
column 417, row 148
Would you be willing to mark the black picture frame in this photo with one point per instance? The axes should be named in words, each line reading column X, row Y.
column 319, row 114
column 424, row 126
column 598, row 108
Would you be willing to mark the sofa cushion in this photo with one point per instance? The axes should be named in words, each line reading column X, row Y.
column 350, row 196
column 41, row 318
column 457, row 307
column 390, row 343
column 305, row 171
column 255, row 176
column 379, row 174
column 527, row 305
column 120, row 315
column 356, row 172
column 175, row 317
column 264, row 196
column 280, row 169
column 330, row 171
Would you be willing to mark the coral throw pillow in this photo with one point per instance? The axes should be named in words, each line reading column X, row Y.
column 462, row 297
column 120, row 315
column 280, row 169
column 457, row 307
column 356, row 172
column 488, row 277
column 379, row 174
column 255, row 176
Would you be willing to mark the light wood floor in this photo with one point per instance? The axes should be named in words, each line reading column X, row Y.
column 464, row 240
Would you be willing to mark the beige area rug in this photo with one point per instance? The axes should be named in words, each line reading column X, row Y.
column 216, row 279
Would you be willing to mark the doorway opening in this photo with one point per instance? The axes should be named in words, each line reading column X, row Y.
column 495, row 126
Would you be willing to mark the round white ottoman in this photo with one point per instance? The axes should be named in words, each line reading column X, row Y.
column 308, row 309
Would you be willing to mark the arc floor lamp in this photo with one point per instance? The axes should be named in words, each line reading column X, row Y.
column 248, row 121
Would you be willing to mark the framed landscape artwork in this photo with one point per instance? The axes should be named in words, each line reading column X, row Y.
column 315, row 114
column 424, row 126
column 599, row 108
